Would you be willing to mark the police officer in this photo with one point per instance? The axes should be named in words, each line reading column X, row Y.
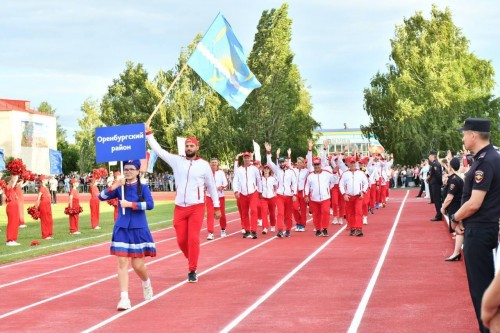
column 479, row 214
column 435, row 180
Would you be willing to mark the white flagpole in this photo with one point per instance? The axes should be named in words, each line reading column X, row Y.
column 123, row 186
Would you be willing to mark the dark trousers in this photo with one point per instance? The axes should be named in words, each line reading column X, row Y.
column 422, row 189
column 479, row 243
column 435, row 190
column 53, row 195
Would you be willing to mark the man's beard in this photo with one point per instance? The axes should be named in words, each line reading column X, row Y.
column 282, row 166
column 190, row 155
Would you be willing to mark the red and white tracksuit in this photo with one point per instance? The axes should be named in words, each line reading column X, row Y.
column 268, row 201
column 354, row 184
column 192, row 177
column 94, row 206
column 287, row 189
column 317, row 190
column 221, row 183
column 248, row 185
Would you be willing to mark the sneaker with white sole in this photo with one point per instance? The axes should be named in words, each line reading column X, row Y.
column 273, row 229
column 48, row 237
column 223, row 233
column 259, row 222
column 75, row 233
column 341, row 221
column 264, row 231
column 23, row 226
column 147, row 292
column 335, row 220
column 97, row 228
column 12, row 243
column 210, row 236
column 243, row 231
column 123, row 304
column 365, row 219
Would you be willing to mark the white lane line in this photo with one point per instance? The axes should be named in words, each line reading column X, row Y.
column 356, row 321
column 271, row 291
column 13, row 312
column 79, row 264
column 75, row 250
column 164, row 292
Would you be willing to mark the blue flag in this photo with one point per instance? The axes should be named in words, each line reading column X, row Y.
column 220, row 61
column 55, row 158
column 152, row 160
column 2, row 161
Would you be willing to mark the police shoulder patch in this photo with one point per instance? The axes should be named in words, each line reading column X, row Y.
column 478, row 176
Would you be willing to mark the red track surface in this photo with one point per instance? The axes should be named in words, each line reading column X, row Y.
column 282, row 284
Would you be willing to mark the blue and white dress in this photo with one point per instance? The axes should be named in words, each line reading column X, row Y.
column 131, row 235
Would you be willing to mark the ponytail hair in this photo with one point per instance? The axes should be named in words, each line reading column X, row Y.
column 139, row 189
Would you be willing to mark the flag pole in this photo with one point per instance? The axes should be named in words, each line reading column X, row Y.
column 166, row 94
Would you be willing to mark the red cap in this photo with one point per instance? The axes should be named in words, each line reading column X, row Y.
column 267, row 167
column 316, row 160
column 247, row 153
column 41, row 177
column 192, row 139
column 364, row 160
column 350, row 159
column 73, row 180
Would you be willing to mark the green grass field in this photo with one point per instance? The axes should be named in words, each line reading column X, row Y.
column 158, row 218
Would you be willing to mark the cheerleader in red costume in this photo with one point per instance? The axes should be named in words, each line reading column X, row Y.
column 12, row 210
column 74, row 206
column 43, row 203
column 94, row 204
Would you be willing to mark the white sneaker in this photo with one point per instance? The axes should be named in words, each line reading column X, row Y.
column 147, row 292
column 335, row 220
column 341, row 221
column 259, row 222
column 243, row 231
column 210, row 236
column 76, row 233
column 48, row 237
column 12, row 243
column 365, row 219
column 123, row 304
column 331, row 211
column 97, row 228
column 273, row 229
column 264, row 231
column 23, row 226
column 223, row 233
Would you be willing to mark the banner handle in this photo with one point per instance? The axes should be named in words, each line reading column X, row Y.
column 123, row 186
column 166, row 94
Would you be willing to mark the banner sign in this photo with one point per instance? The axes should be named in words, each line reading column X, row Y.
column 2, row 161
column 120, row 143
column 55, row 159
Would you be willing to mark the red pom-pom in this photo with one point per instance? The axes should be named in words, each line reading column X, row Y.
column 16, row 167
column 34, row 243
column 73, row 211
column 34, row 212
column 113, row 202
column 28, row 176
column 3, row 185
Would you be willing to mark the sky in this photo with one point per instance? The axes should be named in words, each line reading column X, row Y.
column 64, row 52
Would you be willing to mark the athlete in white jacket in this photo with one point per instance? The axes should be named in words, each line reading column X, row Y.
column 221, row 184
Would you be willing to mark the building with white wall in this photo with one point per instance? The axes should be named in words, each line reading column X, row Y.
column 27, row 134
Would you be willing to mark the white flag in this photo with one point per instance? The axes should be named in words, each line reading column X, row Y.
column 256, row 151
column 181, row 144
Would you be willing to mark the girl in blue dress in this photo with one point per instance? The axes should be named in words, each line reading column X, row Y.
column 131, row 236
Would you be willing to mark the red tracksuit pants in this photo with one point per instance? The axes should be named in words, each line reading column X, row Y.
column 373, row 195
column 366, row 203
column 321, row 213
column 285, row 211
column 337, row 202
column 187, row 224
column 46, row 221
column 354, row 213
column 249, row 206
column 268, row 209
column 211, row 215
column 94, row 212
column 300, row 209
column 73, row 222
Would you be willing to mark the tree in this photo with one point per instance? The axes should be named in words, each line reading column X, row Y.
column 46, row 108
column 432, row 84
column 127, row 100
column 85, row 137
column 70, row 158
column 282, row 105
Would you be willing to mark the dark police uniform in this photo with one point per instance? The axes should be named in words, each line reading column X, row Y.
column 481, row 228
column 454, row 186
column 435, row 182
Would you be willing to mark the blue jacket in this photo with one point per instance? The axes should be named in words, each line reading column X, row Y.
column 134, row 217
